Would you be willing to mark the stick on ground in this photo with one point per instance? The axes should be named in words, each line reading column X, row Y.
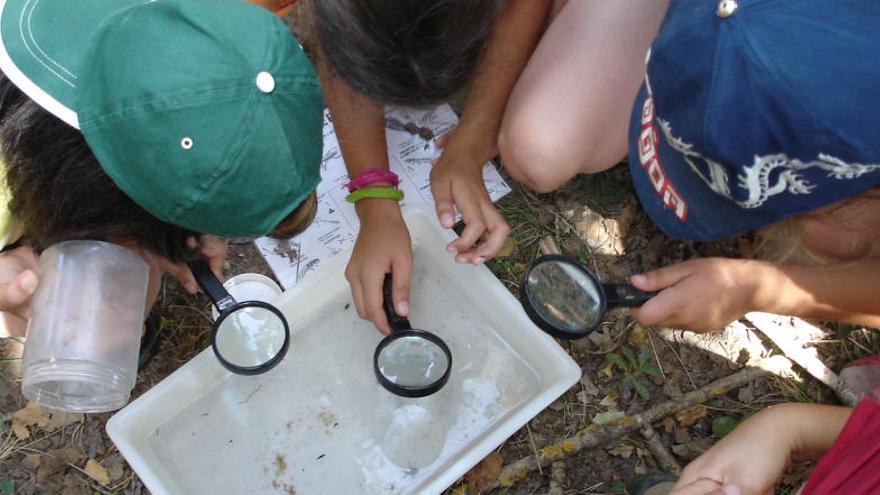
column 598, row 435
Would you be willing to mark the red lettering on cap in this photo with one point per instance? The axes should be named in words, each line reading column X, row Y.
column 648, row 111
column 650, row 161
column 672, row 199
column 647, row 140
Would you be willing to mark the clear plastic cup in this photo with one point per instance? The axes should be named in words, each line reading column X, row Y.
column 83, row 338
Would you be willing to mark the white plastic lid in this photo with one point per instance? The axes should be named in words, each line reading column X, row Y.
column 250, row 287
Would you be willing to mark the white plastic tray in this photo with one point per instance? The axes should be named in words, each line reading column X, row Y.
column 320, row 424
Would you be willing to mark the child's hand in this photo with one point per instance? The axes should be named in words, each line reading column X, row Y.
column 701, row 294
column 748, row 461
column 382, row 246
column 457, row 181
column 212, row 248
column 705, row 486
column 18, row 281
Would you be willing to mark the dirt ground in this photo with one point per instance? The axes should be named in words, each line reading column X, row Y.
column 627, row 368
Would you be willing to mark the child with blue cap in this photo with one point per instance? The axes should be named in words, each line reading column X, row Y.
column 761, row 114
column 155, row 125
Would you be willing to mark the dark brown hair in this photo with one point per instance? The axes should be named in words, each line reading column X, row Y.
column 59, row 190
column 401, row 51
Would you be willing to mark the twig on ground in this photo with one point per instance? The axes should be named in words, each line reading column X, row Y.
column 657, row 357
column 532, row 443
column 664, row 457
column 557, row 478
column 784, row 331
column 598, row 435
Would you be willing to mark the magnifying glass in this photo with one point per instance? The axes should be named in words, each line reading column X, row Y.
column 409, row 362
column 567, row 300
column 249, row 337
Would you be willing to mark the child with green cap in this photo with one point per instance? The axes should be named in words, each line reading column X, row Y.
column 149, row 124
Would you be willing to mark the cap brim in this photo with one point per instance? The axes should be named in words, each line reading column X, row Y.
column 42, row 43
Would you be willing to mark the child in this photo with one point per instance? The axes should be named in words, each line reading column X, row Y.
column 756, row 114
column 751, row 459
column 419, row 52
column 148, row 124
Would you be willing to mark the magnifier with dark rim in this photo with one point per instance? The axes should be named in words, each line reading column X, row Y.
column 249, row 337
column 568, row 301
column 410, row 362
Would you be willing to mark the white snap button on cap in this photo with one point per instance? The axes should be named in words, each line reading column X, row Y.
column 265, row 82
column 726, row 8
column 186, row 143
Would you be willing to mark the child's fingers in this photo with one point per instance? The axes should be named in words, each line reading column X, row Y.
column 373, row 298
column 659, row 310
column 498, row 232
column 475, row 226
column 442, row 192
column 401, row 270
column 443, row 139
column 661, row 278
column 180, row 272
column 16, row 294
column 357, row 296
column 702, row 486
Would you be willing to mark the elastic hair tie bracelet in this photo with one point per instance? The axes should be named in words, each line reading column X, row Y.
column 370, row 176
column 375, row 192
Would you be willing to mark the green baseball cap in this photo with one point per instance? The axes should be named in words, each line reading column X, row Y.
column 207, row 113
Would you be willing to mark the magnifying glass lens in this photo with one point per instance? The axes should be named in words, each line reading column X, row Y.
column 412, row 362
column 564, row 296
column 250, row 336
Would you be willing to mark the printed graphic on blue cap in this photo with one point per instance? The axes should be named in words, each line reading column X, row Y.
column 751, row 115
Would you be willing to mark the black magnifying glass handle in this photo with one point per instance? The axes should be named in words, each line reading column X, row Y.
column 396, row 321
column 212, row 287
column 625, row 295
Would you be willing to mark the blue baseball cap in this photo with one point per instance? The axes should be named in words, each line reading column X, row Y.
column 756, row 110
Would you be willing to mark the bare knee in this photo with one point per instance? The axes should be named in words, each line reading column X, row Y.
column 543, row 158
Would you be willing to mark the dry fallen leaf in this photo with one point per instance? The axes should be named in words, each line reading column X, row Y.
column 33, row 415
column 484, row 474
column 622, row 450
column 691, row 415
column 608, row 417
column 97, row 472
column 29, row 415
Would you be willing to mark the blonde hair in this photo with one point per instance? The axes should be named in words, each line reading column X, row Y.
column 785, row 241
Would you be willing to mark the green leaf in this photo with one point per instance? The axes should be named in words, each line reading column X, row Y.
column 617, row 360
column 617, row 487
column 641, row 389
column 645, row 354
column 722, row 425
column 630, row 356
column 650, row 370
column 6, row 487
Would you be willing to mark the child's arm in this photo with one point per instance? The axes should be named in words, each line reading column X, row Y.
column 708, row 293
column 383, row 244
column 755, row 454
column 456, row 179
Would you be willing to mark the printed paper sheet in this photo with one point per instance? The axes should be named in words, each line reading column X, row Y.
column 411, row 149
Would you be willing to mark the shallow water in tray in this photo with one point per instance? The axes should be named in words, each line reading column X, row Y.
column 320, row 424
